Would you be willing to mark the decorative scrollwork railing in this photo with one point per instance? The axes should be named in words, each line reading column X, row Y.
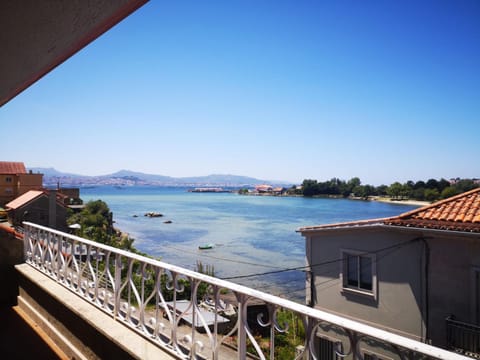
column 196, row 316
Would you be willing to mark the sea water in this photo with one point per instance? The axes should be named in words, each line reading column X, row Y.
column 254, row 237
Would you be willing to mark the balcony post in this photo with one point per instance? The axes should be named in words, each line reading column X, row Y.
column 242, row 323
column 26, row 236
column 117, row 284
column 59, row 257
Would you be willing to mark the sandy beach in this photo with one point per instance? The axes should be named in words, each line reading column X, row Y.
column 404, row 202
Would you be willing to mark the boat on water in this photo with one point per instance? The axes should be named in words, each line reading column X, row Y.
column 206, row 246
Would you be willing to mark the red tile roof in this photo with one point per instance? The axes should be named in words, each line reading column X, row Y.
column 349, row 224
column 32, row 195
column 24, row 199
column 458, row 213
column 12, row 168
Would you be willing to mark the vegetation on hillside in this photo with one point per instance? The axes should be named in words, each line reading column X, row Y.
column 96, row 224
column 430, row 190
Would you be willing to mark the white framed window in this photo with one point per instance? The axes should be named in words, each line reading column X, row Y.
column 358, row 272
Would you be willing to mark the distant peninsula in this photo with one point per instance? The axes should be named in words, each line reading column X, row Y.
column 53, row 177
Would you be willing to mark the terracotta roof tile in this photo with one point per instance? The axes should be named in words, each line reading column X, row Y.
column 31, row 195
column 24, row 199
column 458, row 213
column 12, row 168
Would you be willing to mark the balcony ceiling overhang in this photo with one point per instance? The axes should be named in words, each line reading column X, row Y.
column 37, row 36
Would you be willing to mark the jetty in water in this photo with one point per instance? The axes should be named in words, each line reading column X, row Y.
column 209, row 190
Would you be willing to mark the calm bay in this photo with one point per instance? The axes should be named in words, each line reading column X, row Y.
column 251, row 234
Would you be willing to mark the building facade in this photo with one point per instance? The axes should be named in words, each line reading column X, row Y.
column 40, row 207
column 15, row 181
column 417, row 275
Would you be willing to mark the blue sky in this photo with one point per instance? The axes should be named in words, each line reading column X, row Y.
column 280, row 90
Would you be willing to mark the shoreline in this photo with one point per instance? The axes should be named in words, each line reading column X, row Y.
column 400, row 202
column 370, row 198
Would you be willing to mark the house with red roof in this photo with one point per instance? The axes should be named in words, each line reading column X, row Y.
column 263, row 188
column 416, row 274
column 42, row 207
column 15, row 181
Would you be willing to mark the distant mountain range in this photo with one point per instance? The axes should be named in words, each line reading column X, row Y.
column 52, row 177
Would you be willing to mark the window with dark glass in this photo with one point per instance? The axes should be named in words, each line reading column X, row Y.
column 358, row 272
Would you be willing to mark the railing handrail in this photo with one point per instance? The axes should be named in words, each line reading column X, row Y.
column 351, row 325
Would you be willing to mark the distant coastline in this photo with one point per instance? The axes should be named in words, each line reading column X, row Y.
column 370, row 198
column 400, row 202
column 209, row 190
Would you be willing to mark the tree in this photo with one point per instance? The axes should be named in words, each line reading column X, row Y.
column 355, row 181
column 334, row 186
column 431, row 184
column 351, row 185
column 381, row 190
column 309, row 187
column 369, row 190
column 96, row 223
column 465, row 185
column 443, row 184
column 420, row 185
column 395, row 190
column 449, row 192
column 419, row 193
column 364, row 191
column 431, row 194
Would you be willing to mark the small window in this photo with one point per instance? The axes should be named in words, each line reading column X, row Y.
column 8, row 179
column 8, row 191
column 358, row 271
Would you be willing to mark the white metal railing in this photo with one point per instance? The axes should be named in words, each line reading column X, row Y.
column 166, row 304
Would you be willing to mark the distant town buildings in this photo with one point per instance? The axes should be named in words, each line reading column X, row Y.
column 15, row 181
column 454, row 181
column 269, row 189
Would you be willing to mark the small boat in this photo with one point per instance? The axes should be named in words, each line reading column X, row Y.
column 206, row 246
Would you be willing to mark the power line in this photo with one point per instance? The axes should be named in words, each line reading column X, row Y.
column 318, row 264
column 303, row 287
column 224, row 259
column 335, row 280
